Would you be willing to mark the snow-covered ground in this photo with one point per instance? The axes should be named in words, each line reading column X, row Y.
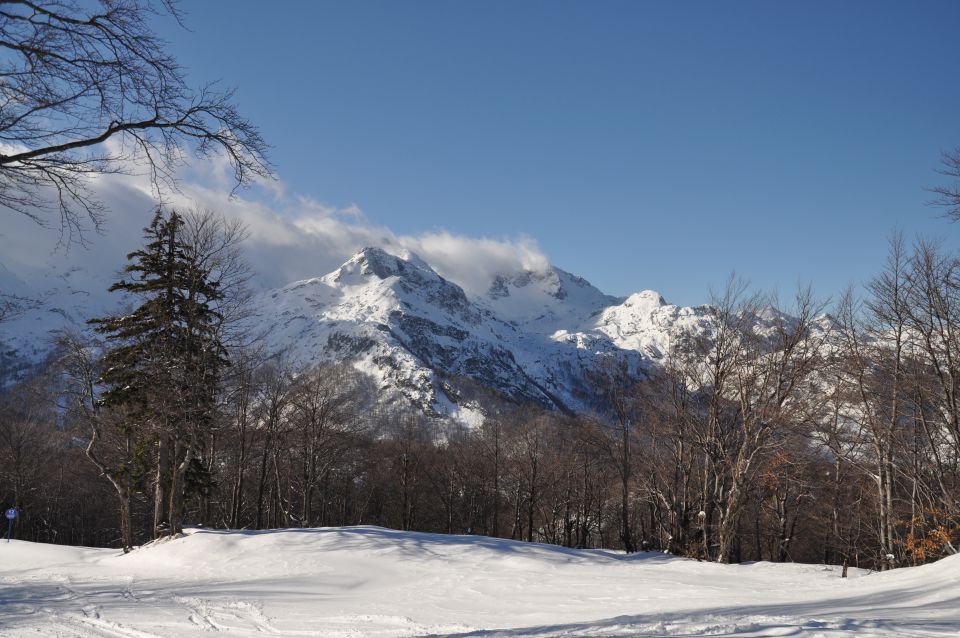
column 367, row 581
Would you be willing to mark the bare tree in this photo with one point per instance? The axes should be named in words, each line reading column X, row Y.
column 948, row 195
column 326, row 406
column 12, row 306
column 73, row 78
column 115, row 448
column 782, row 355
column 669, row 481
column 214, row 244
column 408, row 441
column 934, row 319
column 711, row 361
column 748, row 371
column 27, row 438
column 616, row 432
column 866, row 398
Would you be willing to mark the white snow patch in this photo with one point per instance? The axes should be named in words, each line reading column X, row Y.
column 368, row 581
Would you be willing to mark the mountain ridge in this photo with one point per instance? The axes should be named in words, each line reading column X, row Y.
column 530, row 336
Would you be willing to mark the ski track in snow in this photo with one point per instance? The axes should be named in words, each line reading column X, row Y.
column 372, row 582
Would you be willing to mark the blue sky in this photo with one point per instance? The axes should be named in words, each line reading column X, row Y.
column 642, row 145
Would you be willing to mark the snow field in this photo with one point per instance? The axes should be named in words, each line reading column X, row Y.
column 368, row 581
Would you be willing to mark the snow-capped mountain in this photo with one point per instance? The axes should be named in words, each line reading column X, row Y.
column 530, row 336
column 36, row 303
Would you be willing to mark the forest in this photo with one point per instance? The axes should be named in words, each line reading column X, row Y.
column 795, row 431
column 807, row 430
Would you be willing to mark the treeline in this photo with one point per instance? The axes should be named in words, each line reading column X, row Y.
column 771, row 432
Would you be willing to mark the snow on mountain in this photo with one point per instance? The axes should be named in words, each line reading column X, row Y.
column 46, row 300
column 644, row 323
column 547, row 301
column 370, row 581
column 398, row 320
column 530, row 335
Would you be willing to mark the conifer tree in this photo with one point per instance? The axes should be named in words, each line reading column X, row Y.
column 164, row 367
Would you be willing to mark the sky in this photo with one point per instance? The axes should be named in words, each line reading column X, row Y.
column 640, row 145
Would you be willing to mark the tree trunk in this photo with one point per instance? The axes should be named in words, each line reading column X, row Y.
column 177, row 486
column 159, row 490
column 236, row 496
column 262, row 482
column 126, row 524
column 730, row 521
column 625, row 535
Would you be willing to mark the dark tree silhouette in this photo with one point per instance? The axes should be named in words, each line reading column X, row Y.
column 86, row 92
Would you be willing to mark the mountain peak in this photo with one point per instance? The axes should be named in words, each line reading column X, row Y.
column 645, row 300
column 383, row 265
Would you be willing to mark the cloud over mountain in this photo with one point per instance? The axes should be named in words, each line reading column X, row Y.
column 291, row 236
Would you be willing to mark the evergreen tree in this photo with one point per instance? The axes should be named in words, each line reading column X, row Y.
column 164, row 367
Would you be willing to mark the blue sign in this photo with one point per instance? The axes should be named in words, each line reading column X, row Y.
column 11, row 514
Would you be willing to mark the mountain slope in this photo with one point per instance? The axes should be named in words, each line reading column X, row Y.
column 530, row 337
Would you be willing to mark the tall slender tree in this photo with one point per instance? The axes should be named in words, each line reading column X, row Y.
column 167, row 357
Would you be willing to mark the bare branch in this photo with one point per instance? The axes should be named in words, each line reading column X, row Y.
column 948, row 195
column 73, row 78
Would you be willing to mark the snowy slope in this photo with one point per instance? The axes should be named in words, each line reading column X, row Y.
column 367, row 581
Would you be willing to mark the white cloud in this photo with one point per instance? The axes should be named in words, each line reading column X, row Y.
column 473, row 262
column 292, row 236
